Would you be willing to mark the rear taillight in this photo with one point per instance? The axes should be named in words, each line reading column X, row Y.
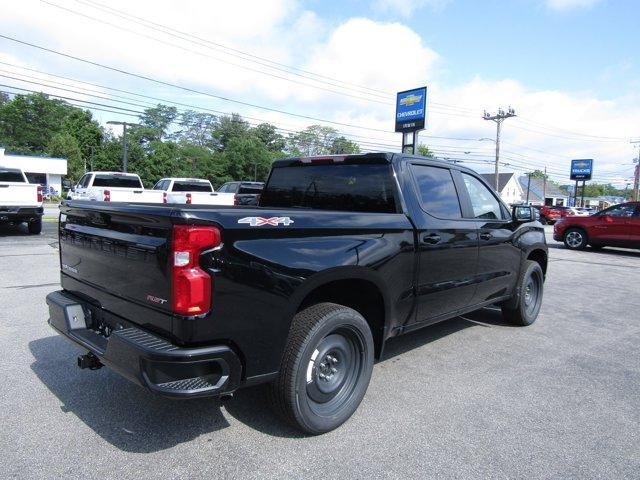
column 39, row 194
column 107, row 195
column 236, row 200
column 164, row 197
column 188, row 198
column 191, row 284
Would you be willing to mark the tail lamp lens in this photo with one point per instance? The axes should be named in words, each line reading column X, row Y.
column 191, row 284
column 188, row 198
column 107, row 195
column 39, row 194
column 164, row 197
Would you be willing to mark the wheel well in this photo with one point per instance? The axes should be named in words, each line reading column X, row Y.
column 361, row 295
column 539, row 256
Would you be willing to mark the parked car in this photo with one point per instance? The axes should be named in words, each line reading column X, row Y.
column 549, row 214
column 617, row 226
column 343, row 253
column 113, row 187
column 20, row 201
column 195, row 191
column 246, row 193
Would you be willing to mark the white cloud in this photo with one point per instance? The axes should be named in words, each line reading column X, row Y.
column 405, row 8
column 563, row 5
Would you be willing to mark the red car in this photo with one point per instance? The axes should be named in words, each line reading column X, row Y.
column 617, row 226
column 549, row 214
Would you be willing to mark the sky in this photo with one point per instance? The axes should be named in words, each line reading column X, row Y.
column 567, row 67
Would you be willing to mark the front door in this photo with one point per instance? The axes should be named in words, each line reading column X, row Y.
column 447, row 244
column 613, row 225
column 499, row 259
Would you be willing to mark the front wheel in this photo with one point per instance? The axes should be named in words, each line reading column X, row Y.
column 326, row 368
column 575, row 239
column 525, row 305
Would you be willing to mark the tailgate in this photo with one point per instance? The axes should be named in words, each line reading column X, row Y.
column 135, row 195
column 213, row 198
column 22, row 194
column 120, row 249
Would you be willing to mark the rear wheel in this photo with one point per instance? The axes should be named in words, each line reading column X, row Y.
column 524, row 307
column 575, row 239
column 35, row 227
column 325, row 369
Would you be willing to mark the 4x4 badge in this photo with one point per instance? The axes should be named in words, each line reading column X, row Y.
column 260, row 221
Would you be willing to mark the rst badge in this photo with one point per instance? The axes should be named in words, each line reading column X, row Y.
column 260, row 221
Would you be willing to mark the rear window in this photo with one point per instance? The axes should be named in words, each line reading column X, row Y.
column 347, row 187
column 117, row 181
column 254, row 189
column 191, row 187
column 8, row 175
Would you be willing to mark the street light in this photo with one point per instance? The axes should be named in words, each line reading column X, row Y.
column 124, row 139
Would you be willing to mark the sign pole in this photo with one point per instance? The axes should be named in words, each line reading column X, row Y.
column 582, row 198
column 409, row 140
column 575, row 195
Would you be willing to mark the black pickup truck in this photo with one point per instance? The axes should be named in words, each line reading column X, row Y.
column 343, row 253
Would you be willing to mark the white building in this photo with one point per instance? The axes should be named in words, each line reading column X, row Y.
column 508, row 187
column 43, row 170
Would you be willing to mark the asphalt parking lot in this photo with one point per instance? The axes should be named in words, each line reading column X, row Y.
column 468, row 398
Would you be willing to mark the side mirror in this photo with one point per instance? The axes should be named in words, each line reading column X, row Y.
column 66, row 184
column 523, row 213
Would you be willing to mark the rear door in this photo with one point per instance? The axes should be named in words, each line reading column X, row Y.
column 634, row 228
column 499, row 259
column 447, row 243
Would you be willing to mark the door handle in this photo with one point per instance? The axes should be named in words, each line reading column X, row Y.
column 431, row 239
column 486, row 236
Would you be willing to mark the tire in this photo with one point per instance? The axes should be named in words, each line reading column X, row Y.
column 543, row 220
column 524, row 306
column 35, row 227
column 575, row 239
column 325, row 370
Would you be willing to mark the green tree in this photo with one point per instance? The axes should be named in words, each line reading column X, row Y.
column 343, row 145
column 424, row 151
column 269, row 136
column 28, row 122
column 246, row 158
column 313, row 140
column 196, row 128
column 64, row 145
column 227, row 129
column 155, row 123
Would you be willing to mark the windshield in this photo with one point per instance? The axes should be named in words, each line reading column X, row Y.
column 117, row 181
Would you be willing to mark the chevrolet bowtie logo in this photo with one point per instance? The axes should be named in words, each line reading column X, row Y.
column 410, row 100
column 580, row 165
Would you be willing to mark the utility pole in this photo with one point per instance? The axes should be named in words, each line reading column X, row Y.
column 498, row 118
column 544, row 187
column 528, row 186
column 124, row 140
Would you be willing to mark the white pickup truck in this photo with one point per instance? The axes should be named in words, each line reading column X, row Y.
column 113, row 187
column 20, row 201
column 196, row 191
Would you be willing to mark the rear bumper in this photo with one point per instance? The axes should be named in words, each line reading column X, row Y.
column 20, row 214
column 142, row 357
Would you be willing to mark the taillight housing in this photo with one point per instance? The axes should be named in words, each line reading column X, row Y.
column 188, row 198
column 106, row 195
column 39, row 193
column 236, row 199
column 191, row 284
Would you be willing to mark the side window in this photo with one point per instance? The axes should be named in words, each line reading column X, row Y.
column 484, row 203
column 223, row 188
column 438, row 195
column 619, row 211
column 159, row 185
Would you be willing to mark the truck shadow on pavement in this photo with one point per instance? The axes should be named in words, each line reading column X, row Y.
column 603, row 253
column 135, row 420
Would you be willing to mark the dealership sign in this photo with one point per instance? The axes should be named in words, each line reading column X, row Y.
column 581, row 169
column 411, row 109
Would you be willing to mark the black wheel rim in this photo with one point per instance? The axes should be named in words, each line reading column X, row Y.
column 531, row 296
column 334, row 370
